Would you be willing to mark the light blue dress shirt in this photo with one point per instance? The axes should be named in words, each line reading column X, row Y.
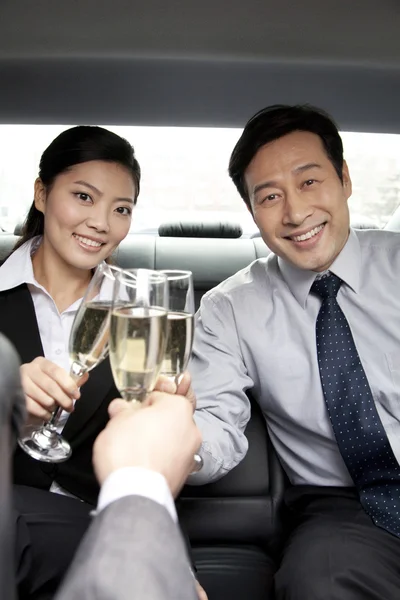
column 256, row 332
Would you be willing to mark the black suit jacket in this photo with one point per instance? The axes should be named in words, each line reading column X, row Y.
column 18, row 322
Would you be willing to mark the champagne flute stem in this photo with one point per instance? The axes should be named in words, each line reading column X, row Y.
column 51, row 425
column 76, row 372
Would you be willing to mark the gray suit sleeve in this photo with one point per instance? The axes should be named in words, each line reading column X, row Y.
column 12, row 415
column 132, row 551
column 12, row 405
column 220, row 381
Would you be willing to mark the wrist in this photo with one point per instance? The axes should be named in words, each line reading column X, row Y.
column 136, row 481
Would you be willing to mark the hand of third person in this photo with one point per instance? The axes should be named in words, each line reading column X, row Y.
column 159, row 435
column 184, row 388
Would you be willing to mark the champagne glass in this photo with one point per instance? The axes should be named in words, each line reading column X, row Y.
column 88, row 346
column 138, row 331
column 180, row 330
column 180, row 324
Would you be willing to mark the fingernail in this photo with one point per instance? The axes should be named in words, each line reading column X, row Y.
column 168, row 387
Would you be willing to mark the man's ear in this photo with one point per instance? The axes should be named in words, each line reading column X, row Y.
column 249, row 207
column 348, row 186
column 40, row 195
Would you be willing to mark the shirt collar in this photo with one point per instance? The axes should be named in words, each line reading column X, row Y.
column 18, row 269
column 346, row 266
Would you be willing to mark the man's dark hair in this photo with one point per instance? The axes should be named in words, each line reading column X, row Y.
column 274, row 122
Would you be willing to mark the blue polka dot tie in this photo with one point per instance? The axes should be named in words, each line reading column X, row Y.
column 359, row 432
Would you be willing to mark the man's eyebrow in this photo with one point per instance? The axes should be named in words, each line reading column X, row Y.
column 306, row 167
column 263, row 186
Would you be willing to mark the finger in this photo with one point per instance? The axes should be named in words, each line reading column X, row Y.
column 184, row 384
column 35, row 422
column 168, row 402
column 61, row 377
column 159, row 398
column 59, row 396
column 47, row 392
column 185, row 389
column 117, row 406
column 164, row 384
column 38, row 395
column 146, row 402
column 36, row 410
column 201, row 592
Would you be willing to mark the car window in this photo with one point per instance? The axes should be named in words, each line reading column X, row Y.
column 184, row 174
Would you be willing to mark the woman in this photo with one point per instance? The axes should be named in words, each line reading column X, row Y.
column 88, row 184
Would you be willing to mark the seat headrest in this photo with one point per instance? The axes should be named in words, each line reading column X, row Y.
column 363, row 225
column 18, row 229
column 200, row 230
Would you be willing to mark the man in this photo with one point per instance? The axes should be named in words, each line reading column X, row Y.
column 12, row 414
column 134, row 548
column 313, row 331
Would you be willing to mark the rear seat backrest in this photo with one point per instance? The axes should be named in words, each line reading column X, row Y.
column 245, row 506
column 210, row 259
column 7, row 243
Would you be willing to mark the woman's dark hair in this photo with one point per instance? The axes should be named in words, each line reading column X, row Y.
column 274, row 122
column 72, row 147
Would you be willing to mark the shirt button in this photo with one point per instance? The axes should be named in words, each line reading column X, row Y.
column 58, row 351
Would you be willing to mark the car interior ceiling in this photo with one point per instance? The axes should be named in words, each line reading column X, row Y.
column 210, row 64
column 148, row 63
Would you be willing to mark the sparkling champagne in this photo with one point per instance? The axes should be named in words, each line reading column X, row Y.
column 138, row 339
column 90, row 335
column 179, row 343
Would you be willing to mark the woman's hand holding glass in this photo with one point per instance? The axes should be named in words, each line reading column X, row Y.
column 47, row 385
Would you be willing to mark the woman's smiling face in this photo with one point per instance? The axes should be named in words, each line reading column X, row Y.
column 87, row 211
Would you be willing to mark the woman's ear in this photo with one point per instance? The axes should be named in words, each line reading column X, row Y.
column 40, row 195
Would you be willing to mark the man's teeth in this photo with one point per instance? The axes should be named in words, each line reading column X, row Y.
column 308, row 235
column 87, row 241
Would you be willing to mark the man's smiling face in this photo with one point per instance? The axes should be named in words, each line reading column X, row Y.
column 298, row 202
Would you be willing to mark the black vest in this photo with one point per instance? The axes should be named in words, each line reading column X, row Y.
column 18, row 322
